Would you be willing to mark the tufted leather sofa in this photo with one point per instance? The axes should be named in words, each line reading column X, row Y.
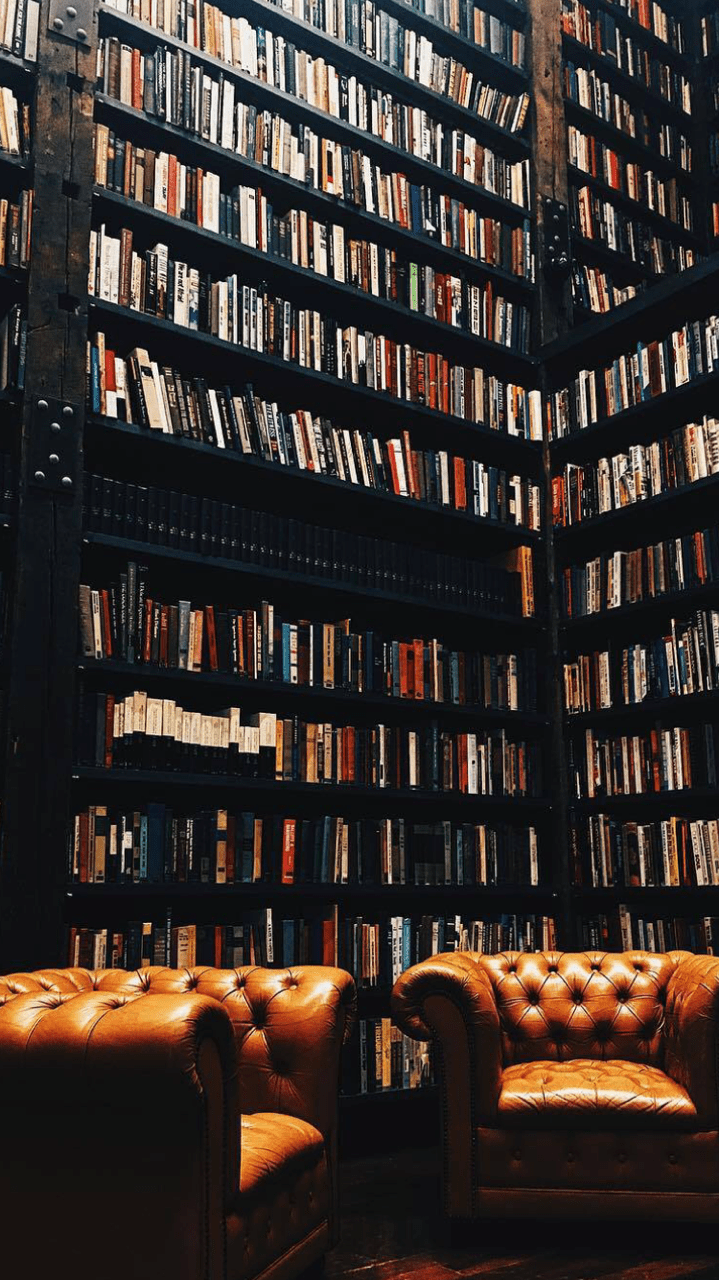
column 169, row 1124
column 582, row 1085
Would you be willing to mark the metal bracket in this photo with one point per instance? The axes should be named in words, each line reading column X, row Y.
column 53, row 445
column 73, row 21
column 557, row 255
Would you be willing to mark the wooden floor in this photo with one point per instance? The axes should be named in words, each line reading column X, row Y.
column 391, row 1231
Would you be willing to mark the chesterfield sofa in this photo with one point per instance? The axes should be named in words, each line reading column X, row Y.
column 573, row 1086
column 169, row 1124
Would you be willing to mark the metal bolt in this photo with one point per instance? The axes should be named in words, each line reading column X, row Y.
column 39, row 475
column 67, row 411
column 71, row 11
column 81, row 33
column 66, row 482
column 58, row 24
column 42, row 404
column 55, row 427
column 53, row 458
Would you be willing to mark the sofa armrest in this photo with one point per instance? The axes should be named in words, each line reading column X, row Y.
column 449, row 999
column 103, row 1090
column 690, row 1032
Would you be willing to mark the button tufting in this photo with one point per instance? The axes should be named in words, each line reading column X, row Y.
column 517, row 1154
column 672, row 1158
column 622, row 1157
column 578, row 997
column 570, row 1157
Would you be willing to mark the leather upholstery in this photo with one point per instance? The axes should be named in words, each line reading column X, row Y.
column 283, row 1192
column 600, row 1074
column 583, row 1091
column 208, row 1092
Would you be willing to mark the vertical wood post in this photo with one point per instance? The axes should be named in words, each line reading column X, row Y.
column 43, row 622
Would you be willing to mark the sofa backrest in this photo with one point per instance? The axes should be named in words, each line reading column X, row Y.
column 288, row 1024
column 561, row 1005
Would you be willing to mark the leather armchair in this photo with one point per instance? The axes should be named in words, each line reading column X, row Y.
column 573, row 1085
column 170, row 1124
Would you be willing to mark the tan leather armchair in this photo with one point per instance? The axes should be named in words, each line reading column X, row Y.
column 177, row 1124
column 573, row 1085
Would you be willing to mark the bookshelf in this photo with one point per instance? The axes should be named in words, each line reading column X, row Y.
column 633, row 146
column 637, row 602
column 310, row 592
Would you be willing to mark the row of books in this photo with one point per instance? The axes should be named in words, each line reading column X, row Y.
column 255, row 318
column 381, row 37
column 672, row 853
column 16, row 230
column 220, row 529
column 502, row 39
column 417, row 61
column 125, row 75
column 626, row 930
column 137, row 389
column 378, row 1057
column 19, row 27
column 139, row 732
column 585, row 86
column 370, row 950
column 653, row 17
column 15, row 132
column 661, row 195
column 598, row 30
column 13, row 348
column 616, row 578
column 164, row 401
column 675, row 759
column 649, row 370
column 351, row 177
column 155, row 844
column 594, row 289
column 682, row 662
column 598, row 219
column 584, row 491
column 245, row 216
column 124, row 622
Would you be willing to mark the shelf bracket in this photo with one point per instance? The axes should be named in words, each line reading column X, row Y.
column 71, row 21
column 52, row 455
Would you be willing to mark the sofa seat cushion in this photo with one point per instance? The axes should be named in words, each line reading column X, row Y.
column 283, row 1195
column 585, row 1090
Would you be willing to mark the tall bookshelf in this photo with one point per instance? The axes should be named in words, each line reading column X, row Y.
column 637, row 594
column 633, row 147
column 298, row 533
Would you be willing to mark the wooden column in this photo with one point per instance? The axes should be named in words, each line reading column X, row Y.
column 43, row 622
column 552, row 318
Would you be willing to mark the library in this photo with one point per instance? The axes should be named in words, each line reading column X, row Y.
column 359, row 639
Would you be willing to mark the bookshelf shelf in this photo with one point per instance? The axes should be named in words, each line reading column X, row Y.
column 297, row 110
column 17, row 165
column 619, row 264
column 15, row 71
column 670, row 300
column 662, row 605
column 634, row 208
column 637, row 517
column 391, row 894
column 172, row 452
column 625, row 84
column 218, row 159
column 690, row 800
column 327, row 794
column 212, row 353
column 683, row 707
column 208, row 247
column 615, row 137
column 275, row 691
column 640, row 422
column 374, row 72
column 637, row 893
column 658, row 48
column 328, row 587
